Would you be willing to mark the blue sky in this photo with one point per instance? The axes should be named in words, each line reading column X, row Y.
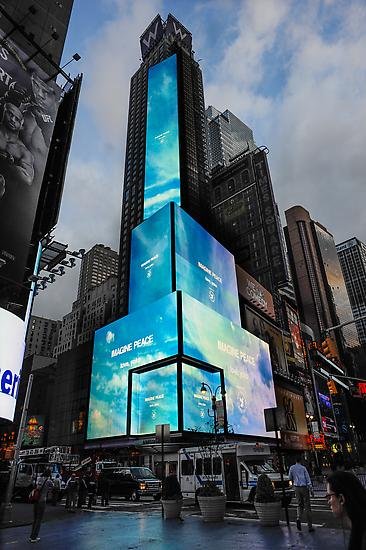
column 295, row 72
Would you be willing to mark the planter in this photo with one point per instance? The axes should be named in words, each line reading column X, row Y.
column 268, row 512
column 212, row 508
column 172, row 508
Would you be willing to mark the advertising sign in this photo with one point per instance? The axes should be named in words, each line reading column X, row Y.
column 34, row 431
column 205, row 269
column 254, row 292
column 270, row 334
column 151, row 264
column 132, row 341
column 196, row 405
column 154, row 400
column 244, row 358
column 297, row 343
column 11, row 359
column 162, row 165
column 174, row 27
column 294, row 433
column 28, row 109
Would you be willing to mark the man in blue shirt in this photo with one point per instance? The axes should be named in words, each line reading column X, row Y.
column 300, row 478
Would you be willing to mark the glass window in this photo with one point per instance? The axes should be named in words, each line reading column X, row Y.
column 187, row 467
column 216, row 466
column 199, row 466
column 207, row 466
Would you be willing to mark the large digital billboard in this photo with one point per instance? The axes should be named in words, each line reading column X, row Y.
column 11, row 359
column 162, row 165
column 28, row 109
column 151, row 260
column 204, row 268
column 291, row 407
column 198, row 406
column 244, row 358
column 154, row 400
column 138, row 339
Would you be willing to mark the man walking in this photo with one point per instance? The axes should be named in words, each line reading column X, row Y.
column 43, row 486
column 299, row 476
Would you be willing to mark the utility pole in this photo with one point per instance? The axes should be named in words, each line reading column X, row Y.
column 7, row 506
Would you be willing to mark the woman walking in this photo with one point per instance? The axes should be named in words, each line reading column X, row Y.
column 39, row 499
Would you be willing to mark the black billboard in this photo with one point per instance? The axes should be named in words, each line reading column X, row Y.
column 28, row 111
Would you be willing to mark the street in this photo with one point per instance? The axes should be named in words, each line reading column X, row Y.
column 128, row 525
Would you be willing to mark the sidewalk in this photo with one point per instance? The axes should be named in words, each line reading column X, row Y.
column 138, row 531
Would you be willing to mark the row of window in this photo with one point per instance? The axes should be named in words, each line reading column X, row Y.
column 205, row 466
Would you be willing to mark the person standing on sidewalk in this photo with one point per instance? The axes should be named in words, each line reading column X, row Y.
column 43, row 485
column 72, row 489
column 300, row 478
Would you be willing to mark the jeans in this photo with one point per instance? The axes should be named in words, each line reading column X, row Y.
column 38, row 511
column 303, row 503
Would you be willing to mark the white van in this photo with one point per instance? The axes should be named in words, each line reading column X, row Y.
column 234, row 468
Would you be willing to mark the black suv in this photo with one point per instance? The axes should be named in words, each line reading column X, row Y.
column 133, row 482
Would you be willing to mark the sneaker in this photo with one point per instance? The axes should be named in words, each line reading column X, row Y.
column 298, row 524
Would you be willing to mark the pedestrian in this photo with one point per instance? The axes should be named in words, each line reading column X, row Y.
column 92, row 490
column 83, row 491
column 39, row 498
column 72, row 489
column 104, row 487
column 347, row 499
column 300, row 478
column 56, row 490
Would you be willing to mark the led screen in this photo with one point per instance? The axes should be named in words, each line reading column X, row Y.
column 204, row 268
column 209, row 337
column 154, row 400
column 162, row 173
column 151, row 265
column 196, row 405
column 132, row 341
column 11, row 358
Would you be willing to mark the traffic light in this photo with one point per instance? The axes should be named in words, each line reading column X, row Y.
column 329, row 348
column 332, row 387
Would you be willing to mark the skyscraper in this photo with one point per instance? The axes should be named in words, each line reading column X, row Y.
column 352, row 257
column 245, row 218
column 172, row 42
column 227, row 137
column 320, row 287
column 41, row 336
column 99, row 263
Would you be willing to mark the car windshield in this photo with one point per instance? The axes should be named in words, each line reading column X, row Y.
column 260, row 468
column 142, row 473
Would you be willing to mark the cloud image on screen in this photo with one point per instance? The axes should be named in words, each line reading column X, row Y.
column 206, row 270
column 132, row 341
column 196, row 405
column 150, row 271
column 162, row 168
column 154, row 400
column 244, row 358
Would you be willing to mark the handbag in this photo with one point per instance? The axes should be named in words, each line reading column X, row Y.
column 35, row 494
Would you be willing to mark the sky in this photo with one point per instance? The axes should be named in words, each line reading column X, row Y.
column 295, row 72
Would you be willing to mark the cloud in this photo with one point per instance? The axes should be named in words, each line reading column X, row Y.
column 112, row 59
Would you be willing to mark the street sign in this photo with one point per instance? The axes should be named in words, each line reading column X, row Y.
column 274, row 419
column 162, row 432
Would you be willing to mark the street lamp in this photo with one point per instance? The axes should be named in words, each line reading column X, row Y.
column 213, row 400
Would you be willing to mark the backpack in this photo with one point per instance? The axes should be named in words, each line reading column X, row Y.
column 35, row 494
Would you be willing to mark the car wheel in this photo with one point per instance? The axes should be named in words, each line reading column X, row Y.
column 134, row 496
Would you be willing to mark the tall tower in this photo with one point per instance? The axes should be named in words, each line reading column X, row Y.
column 227, row 137
column 99, row 263
column 352, row 257
column 171, row 42
column 321, row 290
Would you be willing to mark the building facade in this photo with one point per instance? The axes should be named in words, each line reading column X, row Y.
column 160, row 41
column 42, row 336
column 352, row 257
column 227, row 137
column 99, row 263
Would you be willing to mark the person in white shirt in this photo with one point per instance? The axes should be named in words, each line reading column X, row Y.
column 300, row 478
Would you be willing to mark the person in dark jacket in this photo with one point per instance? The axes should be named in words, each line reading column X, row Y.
column 347, row 500
column 104, row 487
column 44, row 484
column 83, row 491
column 92, row 490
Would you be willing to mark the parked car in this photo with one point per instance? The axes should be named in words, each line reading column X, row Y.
column 133, row 482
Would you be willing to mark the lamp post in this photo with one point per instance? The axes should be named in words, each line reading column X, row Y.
column 213, row 395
